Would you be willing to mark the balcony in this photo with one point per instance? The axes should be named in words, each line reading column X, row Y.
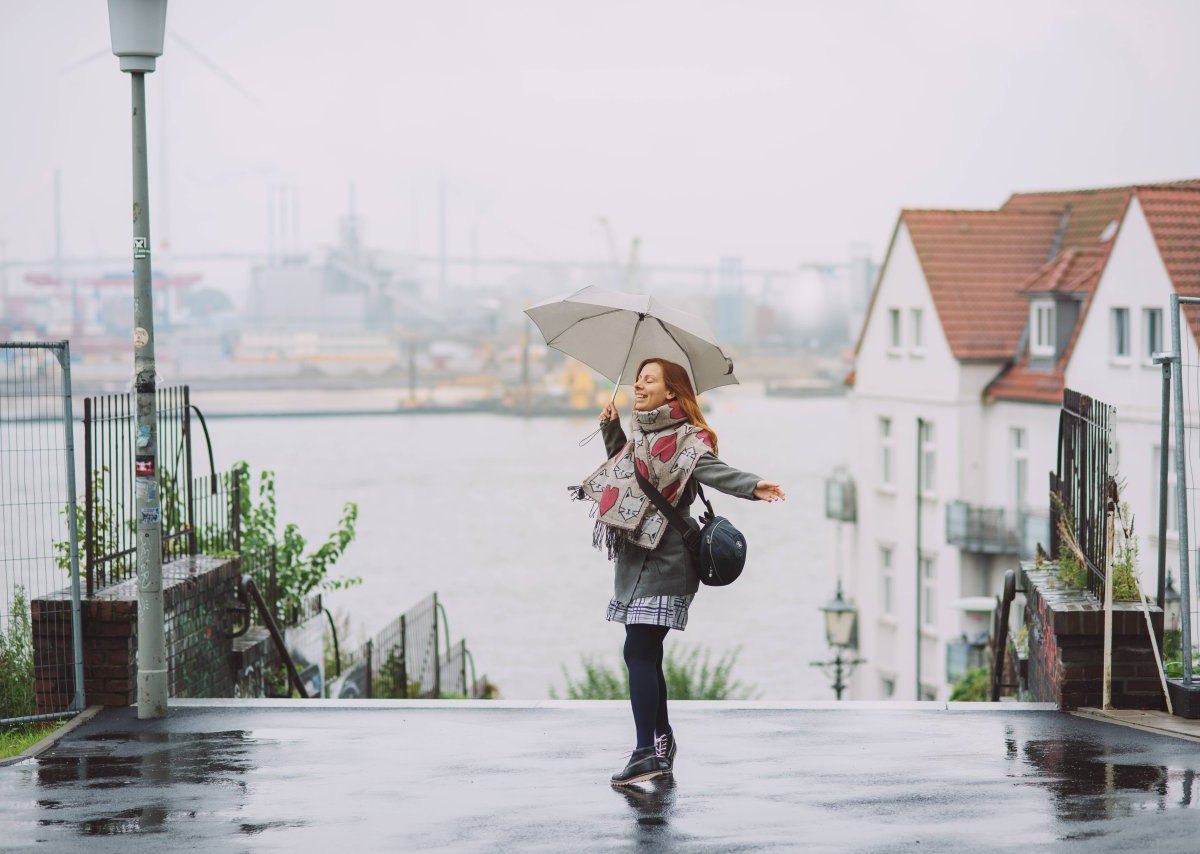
column 988, row 530
column 840, row 503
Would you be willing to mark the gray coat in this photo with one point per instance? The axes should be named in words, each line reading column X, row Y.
column 669, row 570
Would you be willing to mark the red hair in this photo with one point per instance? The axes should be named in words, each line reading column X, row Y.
column 675, row 378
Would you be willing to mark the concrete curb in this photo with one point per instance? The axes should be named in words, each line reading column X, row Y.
column 705, row 705
column 53, row 738
column 1157, row 723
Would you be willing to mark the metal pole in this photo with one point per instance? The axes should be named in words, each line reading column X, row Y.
column 64, row 359
column 437, row 660
column 1164, row 443
column 152, row 671
column 920, row 426
column 1185, row 587
column 838, row 686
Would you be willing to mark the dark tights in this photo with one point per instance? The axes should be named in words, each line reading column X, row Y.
column 647, row 687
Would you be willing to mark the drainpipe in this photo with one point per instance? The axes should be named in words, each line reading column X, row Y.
column 920, row 429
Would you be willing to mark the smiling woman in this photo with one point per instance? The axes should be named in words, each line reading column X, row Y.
column 673, row 449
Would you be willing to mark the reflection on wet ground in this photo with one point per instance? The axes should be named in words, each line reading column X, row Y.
column 497, row 778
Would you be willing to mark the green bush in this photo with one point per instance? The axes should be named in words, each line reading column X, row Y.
column 689, row 675
column 16, row 661
column 975, row 686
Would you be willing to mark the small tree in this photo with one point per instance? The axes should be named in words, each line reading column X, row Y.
column 297, row 574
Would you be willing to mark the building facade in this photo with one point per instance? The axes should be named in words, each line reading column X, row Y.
column 978, row 321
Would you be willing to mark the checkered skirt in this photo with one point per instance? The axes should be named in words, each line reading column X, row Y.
column 669, row 611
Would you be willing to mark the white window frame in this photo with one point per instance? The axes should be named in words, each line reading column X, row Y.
column 887, row 581
column 1152, row 333
column 895, row 332
column 928, row 570
column 917, row 347
column 1041, row 328
column 928, row 458
column 1119, row 343
column 887, row 442
column 1019, row 446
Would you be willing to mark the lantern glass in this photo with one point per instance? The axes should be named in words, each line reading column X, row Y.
column 840, row 619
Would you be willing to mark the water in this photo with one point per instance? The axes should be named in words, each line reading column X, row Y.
column 476, row 508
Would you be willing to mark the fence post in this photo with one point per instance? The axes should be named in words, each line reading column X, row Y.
column 187, row 463
column 437, row 659
column 1185, row 578
column 235, row 477
column 370, row 667
column 64, row 359
column 88, row 497
column 1164, row 445
column 463, row 662
column 272, row 579
column 403, row 657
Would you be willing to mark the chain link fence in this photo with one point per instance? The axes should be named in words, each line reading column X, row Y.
column 41, row 661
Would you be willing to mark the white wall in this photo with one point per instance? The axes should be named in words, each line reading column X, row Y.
column 904, row 385
column 1134, row 278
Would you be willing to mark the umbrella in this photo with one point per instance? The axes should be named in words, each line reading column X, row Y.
column 612, row 332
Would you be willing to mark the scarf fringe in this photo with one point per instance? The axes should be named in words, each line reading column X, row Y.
column 610, row 540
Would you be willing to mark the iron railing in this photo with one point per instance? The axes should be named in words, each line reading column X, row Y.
column 410, row 658
column 110, row 444
column 1079, row 489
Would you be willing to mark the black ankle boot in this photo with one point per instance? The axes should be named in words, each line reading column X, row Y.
column 644, row 764
column 665, row 747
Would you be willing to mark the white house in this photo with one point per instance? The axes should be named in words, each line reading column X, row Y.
column 978, row 320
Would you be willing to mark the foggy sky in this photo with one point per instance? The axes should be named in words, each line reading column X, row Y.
column 778, row 131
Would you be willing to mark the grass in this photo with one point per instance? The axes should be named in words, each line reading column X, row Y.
column 19, row 738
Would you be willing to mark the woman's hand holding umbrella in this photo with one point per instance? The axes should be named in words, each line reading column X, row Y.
column 609, row 412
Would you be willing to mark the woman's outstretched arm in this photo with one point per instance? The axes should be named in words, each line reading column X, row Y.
column 711, row 471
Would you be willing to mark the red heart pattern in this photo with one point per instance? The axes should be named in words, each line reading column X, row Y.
column 676, row 409
column 642, row 469
column 668, row 491
column 664, row 448
column 608, row 498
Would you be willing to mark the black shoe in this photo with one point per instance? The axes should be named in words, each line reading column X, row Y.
column 644, row 764
column 665, row 747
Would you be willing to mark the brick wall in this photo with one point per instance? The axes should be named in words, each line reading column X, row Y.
column 197, row 594
column 1066, row 647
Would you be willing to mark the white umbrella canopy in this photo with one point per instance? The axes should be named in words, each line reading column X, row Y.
column 612, row 332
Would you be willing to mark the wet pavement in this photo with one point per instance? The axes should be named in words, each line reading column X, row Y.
column 483, row 776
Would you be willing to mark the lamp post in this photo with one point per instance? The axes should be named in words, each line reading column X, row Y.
column 137, row 28
column 841, row 633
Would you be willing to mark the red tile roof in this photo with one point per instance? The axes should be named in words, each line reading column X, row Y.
column 981, row 266
column 1174, row 218
column 974, row 261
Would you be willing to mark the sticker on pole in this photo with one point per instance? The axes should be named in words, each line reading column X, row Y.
column 143, row 466
column 140, row 338
column 141, row 247
column 150, row 515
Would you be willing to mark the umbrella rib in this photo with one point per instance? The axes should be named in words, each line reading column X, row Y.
column 576, row 322
column 671, row 336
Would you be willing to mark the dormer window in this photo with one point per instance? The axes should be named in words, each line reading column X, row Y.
column 1041, row 326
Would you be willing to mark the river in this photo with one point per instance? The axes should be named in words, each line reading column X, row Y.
column 476, row 508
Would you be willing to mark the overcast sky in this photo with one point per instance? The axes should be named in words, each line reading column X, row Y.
column 778, row 131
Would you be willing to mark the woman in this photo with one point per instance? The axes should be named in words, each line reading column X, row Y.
column 674, row 449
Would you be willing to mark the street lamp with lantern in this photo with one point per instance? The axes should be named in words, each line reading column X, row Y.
column 137, row 28
column 841, row 633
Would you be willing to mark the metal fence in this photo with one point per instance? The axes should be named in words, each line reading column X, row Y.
column 1184, row 403
column 1079, row 487
column 38, row 535
column 410, row 658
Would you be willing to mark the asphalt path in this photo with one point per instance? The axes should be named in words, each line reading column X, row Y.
column 223, row 776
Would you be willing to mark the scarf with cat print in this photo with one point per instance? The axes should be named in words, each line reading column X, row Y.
column 664, row 448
